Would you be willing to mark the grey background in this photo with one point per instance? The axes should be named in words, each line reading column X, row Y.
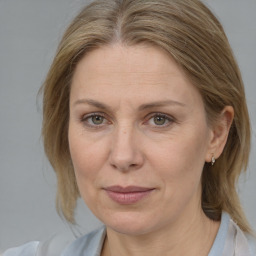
column 29, row 33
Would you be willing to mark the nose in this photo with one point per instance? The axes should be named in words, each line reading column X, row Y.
column 125, row 154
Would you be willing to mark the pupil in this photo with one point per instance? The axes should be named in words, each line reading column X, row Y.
column 97, row 120
column 159, row 120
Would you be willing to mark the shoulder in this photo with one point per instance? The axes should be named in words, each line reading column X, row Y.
column 28, row 249
column 90, row 244
column 62, row 245
column 52, row 246
column 243, row 243
column 252, row 244
column 231, row 240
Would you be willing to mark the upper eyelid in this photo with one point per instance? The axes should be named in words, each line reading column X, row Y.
column 170, row 120
column 84, row 119
column 161, row 114
column 85, row 116
column 107, row 117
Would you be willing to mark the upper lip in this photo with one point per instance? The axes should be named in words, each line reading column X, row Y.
column 128, row 189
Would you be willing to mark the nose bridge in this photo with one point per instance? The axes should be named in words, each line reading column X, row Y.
column 125, row 152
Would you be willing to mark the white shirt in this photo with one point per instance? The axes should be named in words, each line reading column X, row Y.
column 230, row 241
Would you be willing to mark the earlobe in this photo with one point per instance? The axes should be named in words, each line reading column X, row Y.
column 213, row 160
column 219, row 134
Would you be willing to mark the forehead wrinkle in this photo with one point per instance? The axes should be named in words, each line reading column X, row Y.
column 161, row 104
column 142, row 107
column 92, row 102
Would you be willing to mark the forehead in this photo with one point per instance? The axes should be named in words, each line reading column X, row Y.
column 141, row 58
column 136, row 71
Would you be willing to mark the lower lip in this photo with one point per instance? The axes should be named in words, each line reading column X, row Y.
column 128, row 197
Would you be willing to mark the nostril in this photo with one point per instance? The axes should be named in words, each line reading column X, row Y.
column 124, row 167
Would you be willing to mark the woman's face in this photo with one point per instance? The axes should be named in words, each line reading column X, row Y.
column 138, row 138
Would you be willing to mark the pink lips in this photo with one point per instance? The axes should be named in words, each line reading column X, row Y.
column 127, row 195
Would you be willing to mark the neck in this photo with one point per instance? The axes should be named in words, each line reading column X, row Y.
column 190, row 236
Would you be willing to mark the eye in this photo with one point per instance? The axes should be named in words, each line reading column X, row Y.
column 94, row 120
column 97, row 119
column 160, row 119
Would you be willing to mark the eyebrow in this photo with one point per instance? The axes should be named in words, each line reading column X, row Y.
column 161, row 104
column 92, row 103
column 145, row 106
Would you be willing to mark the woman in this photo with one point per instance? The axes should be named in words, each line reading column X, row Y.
column 145, row 118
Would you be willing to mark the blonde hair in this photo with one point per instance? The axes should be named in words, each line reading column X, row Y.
column 195, row 39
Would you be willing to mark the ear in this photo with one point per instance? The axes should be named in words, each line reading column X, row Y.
column 219, row 133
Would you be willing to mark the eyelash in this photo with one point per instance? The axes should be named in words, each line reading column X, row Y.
column 85, row 120
column 167, row 118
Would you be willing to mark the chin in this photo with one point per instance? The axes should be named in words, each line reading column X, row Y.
column 129, row 223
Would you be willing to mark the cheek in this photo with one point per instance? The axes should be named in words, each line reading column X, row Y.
column 179, row 166
column 87, row 157
column 180, row 159
column 87, row 161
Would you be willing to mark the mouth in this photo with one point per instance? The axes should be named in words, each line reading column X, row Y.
column 128, row 195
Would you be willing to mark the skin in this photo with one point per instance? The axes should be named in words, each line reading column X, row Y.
column 135, row 119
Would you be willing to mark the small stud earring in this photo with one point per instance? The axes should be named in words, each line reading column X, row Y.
column 213, row 160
